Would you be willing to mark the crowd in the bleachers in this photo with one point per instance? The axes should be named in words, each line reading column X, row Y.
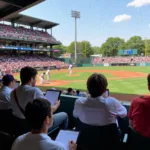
column 73, row 92
column 96, row 115
column 119, row 59
column 12, row 63
column 25, row 33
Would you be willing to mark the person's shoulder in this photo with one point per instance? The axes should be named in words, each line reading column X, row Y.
column 140, row 99
column 81, row 100
column 21, row 138
column 111, row 99
column 37, row 90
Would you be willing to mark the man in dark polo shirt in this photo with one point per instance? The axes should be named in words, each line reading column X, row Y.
column 139, row 114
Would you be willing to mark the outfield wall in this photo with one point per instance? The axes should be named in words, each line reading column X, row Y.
column 114, row 64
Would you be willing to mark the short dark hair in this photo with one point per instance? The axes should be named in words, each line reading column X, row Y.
column 70, row 90
column 7, row 79
column 27, row 73
column 96, row 84
column 77, row 91
column 36, row 112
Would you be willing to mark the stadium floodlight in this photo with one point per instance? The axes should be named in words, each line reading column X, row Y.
column 75, row 14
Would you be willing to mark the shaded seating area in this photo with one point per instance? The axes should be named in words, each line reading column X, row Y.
column 90, row 137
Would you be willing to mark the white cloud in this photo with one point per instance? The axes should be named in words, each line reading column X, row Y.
column 149, row 25
column 138, row 3
column 121, row 18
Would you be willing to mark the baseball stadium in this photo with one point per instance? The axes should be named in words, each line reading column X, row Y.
column 29, row 41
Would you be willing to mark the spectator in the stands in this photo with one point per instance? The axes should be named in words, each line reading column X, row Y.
column 98, row 109
column 69, row 91
column 27, row 92
column 8, row 83
column 78, row 93
column 139, row 114
column 39, row 117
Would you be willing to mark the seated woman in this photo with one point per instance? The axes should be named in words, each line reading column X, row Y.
column 98, row 109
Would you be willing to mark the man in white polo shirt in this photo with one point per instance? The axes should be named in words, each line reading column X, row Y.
column 39, row 117
column 98, row 109
column 28, row 92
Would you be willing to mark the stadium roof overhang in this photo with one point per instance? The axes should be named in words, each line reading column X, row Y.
column 11, row 7
column 30, row 21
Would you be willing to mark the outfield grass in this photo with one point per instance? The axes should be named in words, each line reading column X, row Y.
column 128, row 85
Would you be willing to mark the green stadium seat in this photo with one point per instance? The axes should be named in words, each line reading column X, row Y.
column 6, row 121
column 98, row 137
column 137, row 142
column 124, row 123
column 6, row 129
column 6, row 141
column 67, row 105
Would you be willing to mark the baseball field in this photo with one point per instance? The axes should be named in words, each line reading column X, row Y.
column 123, row 82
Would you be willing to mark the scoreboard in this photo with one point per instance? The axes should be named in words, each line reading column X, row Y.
column 128, row 52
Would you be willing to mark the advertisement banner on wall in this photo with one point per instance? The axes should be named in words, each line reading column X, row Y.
column 133, row 64
column 142, row 64
column 106, row 64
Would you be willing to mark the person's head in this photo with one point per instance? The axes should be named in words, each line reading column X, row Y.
column 148, row 81
column 96, row 84
column 70, row 91
column 8, row 80
column 28, row 76
column 38, row 114
column 78, row 92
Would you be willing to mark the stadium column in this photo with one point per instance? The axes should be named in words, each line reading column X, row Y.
column 13, row 24
column 19, row 53
column 51, row 51
column 51, row 32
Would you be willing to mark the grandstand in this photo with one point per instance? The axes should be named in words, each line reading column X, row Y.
column 23, row 45
column 126, row 60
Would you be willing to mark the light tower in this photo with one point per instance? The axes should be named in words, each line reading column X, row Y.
column 75, row 14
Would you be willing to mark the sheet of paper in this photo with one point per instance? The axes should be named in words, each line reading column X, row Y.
column 65, row 137
column 52, row 96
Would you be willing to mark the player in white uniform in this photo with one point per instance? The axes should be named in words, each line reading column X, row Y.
column 48, row 74
column 42, row 78
column 70, row 69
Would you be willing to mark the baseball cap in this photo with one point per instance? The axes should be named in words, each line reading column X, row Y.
column 7, row 79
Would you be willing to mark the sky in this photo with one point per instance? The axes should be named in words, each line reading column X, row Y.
column 100, row 19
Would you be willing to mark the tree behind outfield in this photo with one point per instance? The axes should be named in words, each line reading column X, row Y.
column 135, row 42
column 111, row 46
column 63, row 49
column 96, row 50
column 84, row 49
